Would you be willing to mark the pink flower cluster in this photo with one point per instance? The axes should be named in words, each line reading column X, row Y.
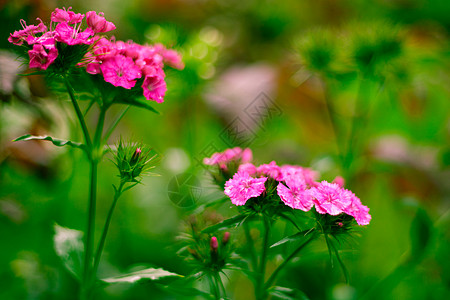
column 120, row 63
column 65, row 27
column 297, row 188
column 228, row 156
column 123, row 63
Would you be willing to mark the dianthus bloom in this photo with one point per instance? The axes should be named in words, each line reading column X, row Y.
column 122, row 64
column 357, row 210
column 65, row 28
column 308, row 175
column 271, row 170
column 242, row 187
column 295, row 194
column 330, row 198
column 234, row 154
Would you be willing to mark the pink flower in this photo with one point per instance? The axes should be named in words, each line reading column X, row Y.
column 339, row 181
column 229, row 155
column 357, row 210
column 330, row 198
column 248, row 168
column 98, row 23
column 70, row 36
column 170, row 57
column 19, row 36
column 295, row 195
column 154, row 88
column 63, row 15
column 242, row 187
column 271, row 170
column 306, row 174
column 120, row 71
column 40, row 58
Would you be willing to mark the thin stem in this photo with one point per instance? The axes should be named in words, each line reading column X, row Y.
column 101, row 244
column 261, row 291
column 78, row 113
column 89, row 243
column 221, row 286
column 274, row 275
column 251, row 246
column 334, row 124
column 214, row 289
column 116, row 121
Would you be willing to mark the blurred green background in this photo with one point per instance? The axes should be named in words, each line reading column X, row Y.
column 238, row 54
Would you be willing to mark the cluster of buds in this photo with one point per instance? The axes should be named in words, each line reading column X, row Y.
column 214, row 257
column 132, row 161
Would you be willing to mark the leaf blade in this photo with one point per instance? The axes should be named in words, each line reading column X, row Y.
column 55, row 141
column 150, row 274
column 68, row 244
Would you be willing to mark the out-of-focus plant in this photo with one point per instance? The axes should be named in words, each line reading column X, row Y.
column 366, row 54
column 73, row 53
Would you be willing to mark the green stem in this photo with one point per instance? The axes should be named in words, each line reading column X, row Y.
column 89, row 242
column 334, row 125
column 221, row 286
column 274, row 275
column 78, row 113
column 260, row 290
column 251, row 247
column 116, row 121
column 101, row 244
column 214, row 288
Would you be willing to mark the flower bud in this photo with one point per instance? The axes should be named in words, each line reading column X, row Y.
column 226, row 238
column 214, row 244
column 135, row 158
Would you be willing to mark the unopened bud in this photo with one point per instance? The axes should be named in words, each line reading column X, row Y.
column 339, row 181
column 135, row 158
column 226, row 238
column 214, row 244
column 340, row 224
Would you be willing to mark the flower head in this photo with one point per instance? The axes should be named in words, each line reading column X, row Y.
column 357, row 210
column 120, row 71
column 242, row 187
column 98, row 23
column 295, row 194
column 271, row 170
column 330, row 198
column 233, row 154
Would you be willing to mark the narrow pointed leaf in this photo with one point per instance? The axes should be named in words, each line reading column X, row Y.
column 138, row 103
column 149, row 274
column 279, row 292
column 341, row 263
column 228, row 223
column 293, row 238
column 69, row 247
column 54, row 141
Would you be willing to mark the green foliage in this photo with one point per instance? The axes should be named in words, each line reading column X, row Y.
column 68, row 245
column 147, row 274
column 54, row 141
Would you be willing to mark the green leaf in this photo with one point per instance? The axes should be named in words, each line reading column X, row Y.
column 287, row 293
column 69, row 247
column 150, row 274
column 180, row 289
column 225, row 224
column 341, row 263
column 55, row 141
column 293, row 238
column 421, row 230
column 138, row 103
